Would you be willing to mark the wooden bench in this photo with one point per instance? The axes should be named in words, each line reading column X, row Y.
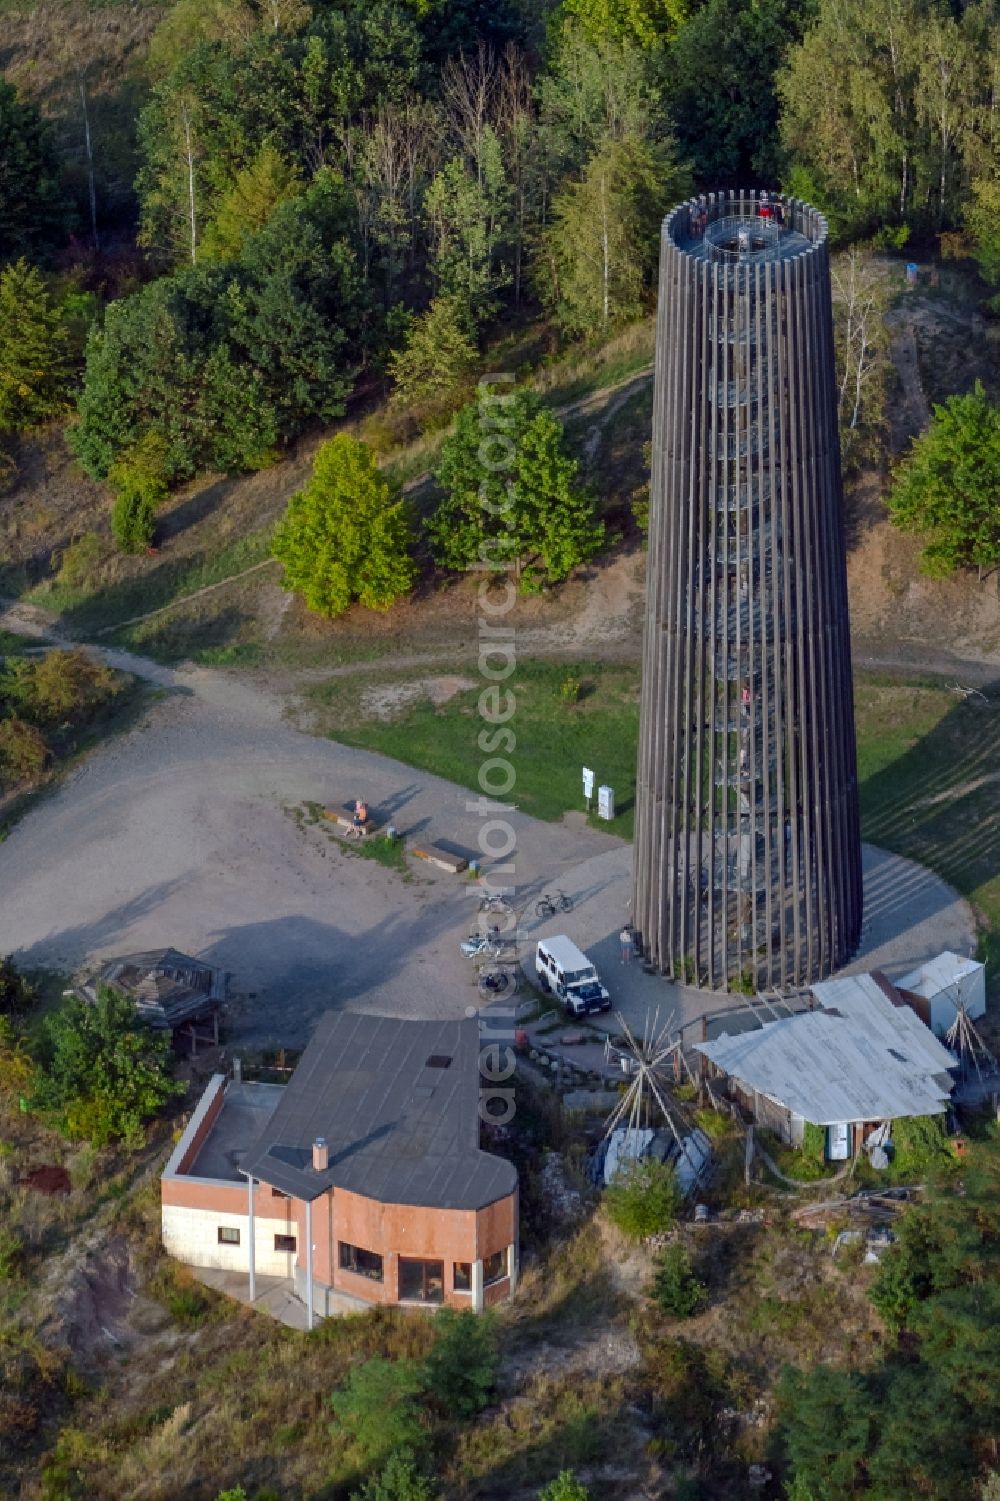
column 443, row 856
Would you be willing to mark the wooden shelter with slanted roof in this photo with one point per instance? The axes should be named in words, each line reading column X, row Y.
column 170, row 990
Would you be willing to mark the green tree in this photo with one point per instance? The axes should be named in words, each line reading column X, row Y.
column 436, row 359
column 466, row 218
column 16, row 995
column 825, row 1423
column 103, row 1072
column 400, row 1480
column 946, row 489
column 643, row 1199
column 982, row 218
column 34, row 368
column 599, row 249
column 379, row 1411
column 138, row 478
column 32, row 210
column 344, row 538
column 565, row 1487
column 246, row 207
column 720, row 82
column 461, row 1370
column 511, row 499
column 647, row 23
column 676, row 1289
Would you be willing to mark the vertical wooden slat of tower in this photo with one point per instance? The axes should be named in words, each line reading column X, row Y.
column 651, row 745
column 691, row 938
column 824, row 626
column 713, row 333
column 840, row 694
column 795, row 544
column 670, row 563
column 814, row 895
column 819, row 628
column 722, row 301
column 761, row 701
column 757, row 395
column 658, row 899
column 663, row 714
column 648, row 794
column 662, row 489
column 740, row 645
column 781, row 574
column 696, row 665
column 677, row 563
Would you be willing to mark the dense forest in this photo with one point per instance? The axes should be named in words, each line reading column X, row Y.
column 327, row 196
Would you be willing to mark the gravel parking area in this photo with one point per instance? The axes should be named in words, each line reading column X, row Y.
column 185, row 833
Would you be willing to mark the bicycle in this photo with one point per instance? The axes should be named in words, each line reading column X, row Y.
column 548, row 905
column 498, row 983
column 495, row 904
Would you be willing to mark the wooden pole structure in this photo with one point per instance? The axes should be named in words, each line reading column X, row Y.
column 251, row 1240
column 747, row 856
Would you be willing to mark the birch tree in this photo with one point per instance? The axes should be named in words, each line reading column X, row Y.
column 860, row 301
column 598, row 251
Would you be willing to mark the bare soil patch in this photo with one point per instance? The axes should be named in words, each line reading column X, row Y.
column 385, row 700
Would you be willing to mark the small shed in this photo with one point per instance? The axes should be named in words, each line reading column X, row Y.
column 941, row 985
column 861, row 1057
column 170, row 991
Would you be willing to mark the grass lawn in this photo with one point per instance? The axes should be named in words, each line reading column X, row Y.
column 929, row 761
column 556, row 736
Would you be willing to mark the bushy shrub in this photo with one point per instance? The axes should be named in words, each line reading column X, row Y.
column 565, row 1487
column 461, row 1370
column 676, row 1289
column 103, row 1072
column 400, row 1480
column 78, row 561
column 643, row 1199
column 24, row 754
column 58, row 687
column 138, row 479
column 378, row 1410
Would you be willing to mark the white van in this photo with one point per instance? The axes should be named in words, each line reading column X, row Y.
column 565, row 972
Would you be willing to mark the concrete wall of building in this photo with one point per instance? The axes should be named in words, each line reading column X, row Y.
column 192, row 1235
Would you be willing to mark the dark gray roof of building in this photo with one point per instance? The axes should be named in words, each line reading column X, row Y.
column 397, row 1103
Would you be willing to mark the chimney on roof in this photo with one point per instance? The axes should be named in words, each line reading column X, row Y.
column 321, row 1155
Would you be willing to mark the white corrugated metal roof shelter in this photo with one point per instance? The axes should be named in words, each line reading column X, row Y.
column 859, row 1057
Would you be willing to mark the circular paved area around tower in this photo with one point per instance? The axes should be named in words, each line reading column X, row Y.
column 910, row 914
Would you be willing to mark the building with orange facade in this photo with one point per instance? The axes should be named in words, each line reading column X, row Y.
column 360, row 1181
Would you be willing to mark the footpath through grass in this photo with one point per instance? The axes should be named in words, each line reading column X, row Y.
column 929, row 761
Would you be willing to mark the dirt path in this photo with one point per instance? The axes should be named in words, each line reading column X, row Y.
column 911, row 414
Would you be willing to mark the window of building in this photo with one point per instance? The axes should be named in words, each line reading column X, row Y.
column 284, row 1242
column 421, row 1281
column 463, row 1276
column 495, row 1267
column 228, row 1235
column 364, row 1263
